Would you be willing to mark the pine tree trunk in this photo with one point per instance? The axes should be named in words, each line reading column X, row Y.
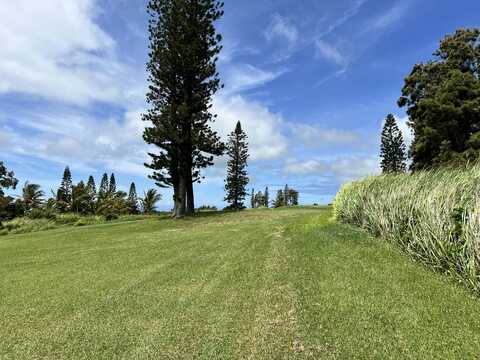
column 175, row 192
column 180, row 198
column 190, row 196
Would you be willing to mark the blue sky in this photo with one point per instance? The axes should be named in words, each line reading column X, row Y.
column 311, row 82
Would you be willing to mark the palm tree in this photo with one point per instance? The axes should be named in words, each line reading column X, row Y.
column 32, row 196
column 150, row 199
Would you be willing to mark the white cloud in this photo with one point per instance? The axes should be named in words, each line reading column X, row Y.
column 81, row 141
column 55, row 50
column 281, row 27
column 343, row 168
column 264, row 128
column 87, row 142
column 241, row 77
column 232, row 48
column 285, row 36
column 330, row 53
column 315, row 136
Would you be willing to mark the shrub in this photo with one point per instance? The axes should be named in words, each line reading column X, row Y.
column 82, row 222
column 26, row 225
column 48, row 214
column 67, row 219
column 111, row 217
column 207, row 208
column 433, row 215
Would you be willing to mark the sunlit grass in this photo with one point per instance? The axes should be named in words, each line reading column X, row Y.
column 434, row 216
column 261, row 284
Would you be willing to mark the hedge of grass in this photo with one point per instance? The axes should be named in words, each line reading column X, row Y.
column 433, row 215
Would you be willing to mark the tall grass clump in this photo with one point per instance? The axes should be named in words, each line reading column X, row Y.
column 433, row 215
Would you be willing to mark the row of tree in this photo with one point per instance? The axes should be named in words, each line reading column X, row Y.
column 82, row 198
column 442, row 100
column 286, row 197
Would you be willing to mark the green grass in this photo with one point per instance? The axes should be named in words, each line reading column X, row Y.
column 24, row 225
column 434, row 216
column 268, row 284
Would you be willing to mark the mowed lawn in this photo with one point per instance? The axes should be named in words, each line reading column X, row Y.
column 262, row 284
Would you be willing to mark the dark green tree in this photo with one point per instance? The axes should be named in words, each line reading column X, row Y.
column 92, row 194
column 286, row 198
column 81, row 198
column 7, row 181
column 104, row 187
column 293, row 197
column 64, row 193
column 442, row 97
column 267, row 197
column 112, row 186
column 91, row 184
column 184, row 46
column 392, row 148
column 237, row 179
column 113, row 205
column 252, row 199
column 279, row 200
column 133, row 199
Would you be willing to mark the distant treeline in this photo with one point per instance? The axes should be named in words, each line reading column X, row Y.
column 81, row 198
column 285, row 197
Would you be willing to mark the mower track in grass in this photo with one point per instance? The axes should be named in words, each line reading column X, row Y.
column 259, row 284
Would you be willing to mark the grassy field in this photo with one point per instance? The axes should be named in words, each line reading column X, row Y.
column 266, row 284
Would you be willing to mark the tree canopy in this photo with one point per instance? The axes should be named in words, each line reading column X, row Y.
column 442, row 97
column 7, row 179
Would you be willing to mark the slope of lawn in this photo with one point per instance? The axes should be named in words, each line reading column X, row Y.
column 264, row 284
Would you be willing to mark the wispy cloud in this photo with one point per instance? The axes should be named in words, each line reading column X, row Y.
column 389, row 17
column 330, row 77
column 372, row 31
column 281, row 27
column 315, row 136
column 342, row 168
column 347, row 15
column 330, row 53
column 241, row 77
column 232, row 49
column 284, row 35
